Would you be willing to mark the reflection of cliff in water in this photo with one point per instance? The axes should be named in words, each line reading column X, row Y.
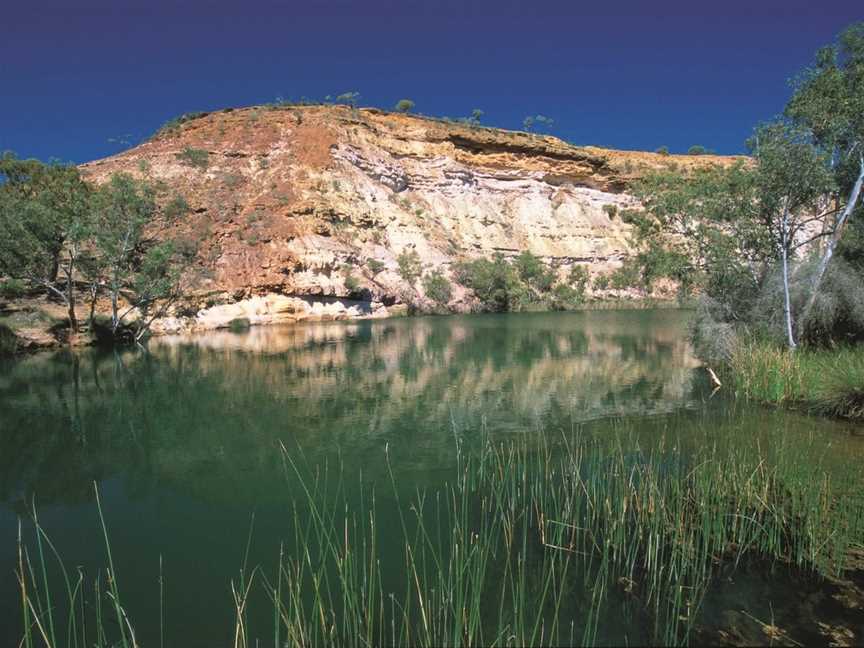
column 211, row 409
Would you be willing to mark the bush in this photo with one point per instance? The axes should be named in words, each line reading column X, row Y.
column 494, row 282
column 239, row 324
column 410, row 267
column 627, row 276
column 437, row 288
column 698, row 149
column 197, row 158
column 375, row 266
column 12, row 288
column 601, row 282
column 8, row 340
column 404, row 106
column 534, row 272
column 176, row 208
column 663, row 150
column 352, row 283
column 610, row 210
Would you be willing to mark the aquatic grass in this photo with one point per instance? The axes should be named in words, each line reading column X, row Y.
column 44, row 612
column 526, row 546
column 823, row 381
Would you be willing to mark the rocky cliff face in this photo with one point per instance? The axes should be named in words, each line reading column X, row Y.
column 287, row 202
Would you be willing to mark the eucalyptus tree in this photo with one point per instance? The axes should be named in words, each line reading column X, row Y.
column 829, row 101
column 45, row 220
column 135, row 269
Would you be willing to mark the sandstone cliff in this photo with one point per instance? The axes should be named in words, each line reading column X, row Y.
column 287, row 201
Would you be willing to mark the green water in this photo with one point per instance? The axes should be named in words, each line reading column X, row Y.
column 183, row 440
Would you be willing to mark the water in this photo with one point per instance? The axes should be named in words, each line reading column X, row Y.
column 184, row 440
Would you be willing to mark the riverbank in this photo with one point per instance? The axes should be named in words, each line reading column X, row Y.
column 33, row 324
column 828, row 382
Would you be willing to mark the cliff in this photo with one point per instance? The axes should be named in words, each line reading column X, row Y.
column 286, row 202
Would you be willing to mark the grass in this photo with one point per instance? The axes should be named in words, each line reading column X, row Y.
column 822, row 381
column 518, row 547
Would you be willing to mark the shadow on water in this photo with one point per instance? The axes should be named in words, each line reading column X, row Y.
column 184, row 439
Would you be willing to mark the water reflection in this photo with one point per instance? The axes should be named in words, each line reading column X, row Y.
column 217, row 404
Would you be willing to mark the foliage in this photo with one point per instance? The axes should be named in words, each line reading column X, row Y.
column 348, row 98
column 663, row 150
column 132, row 269
column 698, row 149
column 176, row 208
column 495, row 282
column 534, row 272
column 474, row 118
column 537, row 122
column 410, row 266
column 197, row 158
column 828, row 382
column 173, row 125
column 352, row 283
column 437, row 288
column 44, row 218
column 404, row 106
column 610, row 210
column 590, row 515
column 375, row 266
column 12, row 288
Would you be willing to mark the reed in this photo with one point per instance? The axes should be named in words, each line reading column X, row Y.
column 519, row 547
column 823, row 381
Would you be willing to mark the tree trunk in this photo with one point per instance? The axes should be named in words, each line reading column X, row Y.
column 787, row 300
column 70, row 300
column 832, row 243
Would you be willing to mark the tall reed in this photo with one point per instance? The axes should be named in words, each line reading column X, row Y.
column 588, row 540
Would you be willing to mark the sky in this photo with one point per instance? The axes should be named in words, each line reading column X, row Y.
column 80, row 79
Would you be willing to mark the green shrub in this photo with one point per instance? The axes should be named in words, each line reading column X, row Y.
column 437, row 288
column 494, row 282
column 176, row 208
column 197, row 158
column 352, row 283
column 239, row 324
column 610, row 210
column 173, row 125
column 601, row 282
column 410, row 267
column 8, row 340
column 663, row 150
column 698, row 149
column 627, row 276
column 404, row 106
column 375, row 266
column 12, row 288
column 534, row 272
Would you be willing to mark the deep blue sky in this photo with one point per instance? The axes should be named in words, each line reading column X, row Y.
column 633, row 75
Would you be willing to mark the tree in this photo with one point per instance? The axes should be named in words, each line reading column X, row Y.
column 829, row 101
column 404, row 106
column 144, row 274
column 348, row 98
column 410, row 267
column 437, row 288
column 725, row 229
column 663, row 150
column 539, row 121
column 474, row 118
column 698, row 149
column 44, row 218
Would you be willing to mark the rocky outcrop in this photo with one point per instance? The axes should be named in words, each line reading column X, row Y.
column 287, row 203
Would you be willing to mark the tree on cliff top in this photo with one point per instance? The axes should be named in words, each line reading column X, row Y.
column 404, row 106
